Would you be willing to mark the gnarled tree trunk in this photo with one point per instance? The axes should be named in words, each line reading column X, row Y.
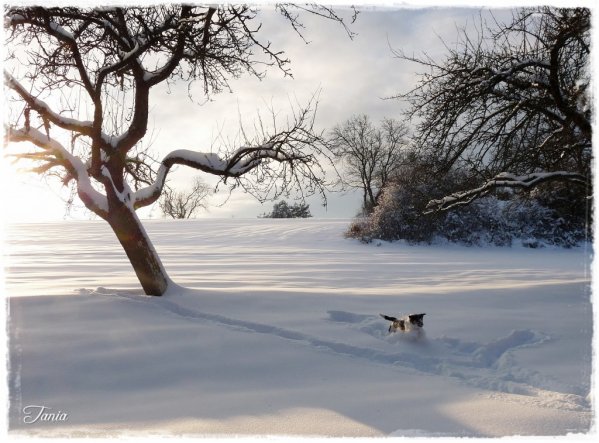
column 139, row 249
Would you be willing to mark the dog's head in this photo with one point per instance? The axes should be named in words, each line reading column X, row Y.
column 417, row 319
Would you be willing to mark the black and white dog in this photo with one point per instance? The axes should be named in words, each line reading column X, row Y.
column 407, row 323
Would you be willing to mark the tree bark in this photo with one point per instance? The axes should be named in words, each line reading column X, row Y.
column 138, row 247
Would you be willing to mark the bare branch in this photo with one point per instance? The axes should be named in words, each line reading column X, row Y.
column 41, row 107
column 298, row 151
column 508, row 98
column 504, row 180
column 315, row 9
column 55, row 154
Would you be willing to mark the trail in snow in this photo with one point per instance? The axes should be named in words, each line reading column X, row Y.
column 484, row 365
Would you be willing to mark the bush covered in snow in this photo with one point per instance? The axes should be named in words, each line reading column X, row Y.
column 283, row 209
column 498, row 222
column 547, row 216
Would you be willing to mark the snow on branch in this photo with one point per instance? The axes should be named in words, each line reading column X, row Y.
column 83, row 127
column 242, row 161
column 298, row 149
column 503, row 180
column 54, row 28
column 55, row 154
column 508, row 96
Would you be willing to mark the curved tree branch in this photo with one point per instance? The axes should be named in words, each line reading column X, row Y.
column 82, row 127
column 56, row 155
column 504, row 180
column 241, row 162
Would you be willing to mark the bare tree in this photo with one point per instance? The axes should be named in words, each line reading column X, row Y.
column 184, row 204
column 510, row 103
column 369, row 154
column 82, row 102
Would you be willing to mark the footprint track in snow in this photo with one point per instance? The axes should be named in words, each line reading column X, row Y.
column 482, row 355
column 486, row 365
column 475, row 364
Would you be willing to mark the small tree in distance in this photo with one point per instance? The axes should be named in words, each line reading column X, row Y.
column 184, row 204
column 283, row 210
column 369, row 154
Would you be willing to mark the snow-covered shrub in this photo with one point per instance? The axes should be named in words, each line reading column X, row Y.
column 399, row 216
column 284, row 210
column 360, row 229
column 522, row 219
column 500, row 219
column 542, row 225
column 481, row 222
column 399, row 213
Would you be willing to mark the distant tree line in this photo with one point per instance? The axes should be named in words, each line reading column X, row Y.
column 501, row 148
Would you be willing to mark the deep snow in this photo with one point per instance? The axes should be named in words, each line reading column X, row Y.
column 281, row 334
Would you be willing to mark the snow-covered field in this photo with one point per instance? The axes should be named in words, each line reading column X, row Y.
column 277, row 331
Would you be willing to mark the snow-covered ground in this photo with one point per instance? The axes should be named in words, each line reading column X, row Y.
column 277, row 331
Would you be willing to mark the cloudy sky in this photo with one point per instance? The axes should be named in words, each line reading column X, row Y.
column 352, row 76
